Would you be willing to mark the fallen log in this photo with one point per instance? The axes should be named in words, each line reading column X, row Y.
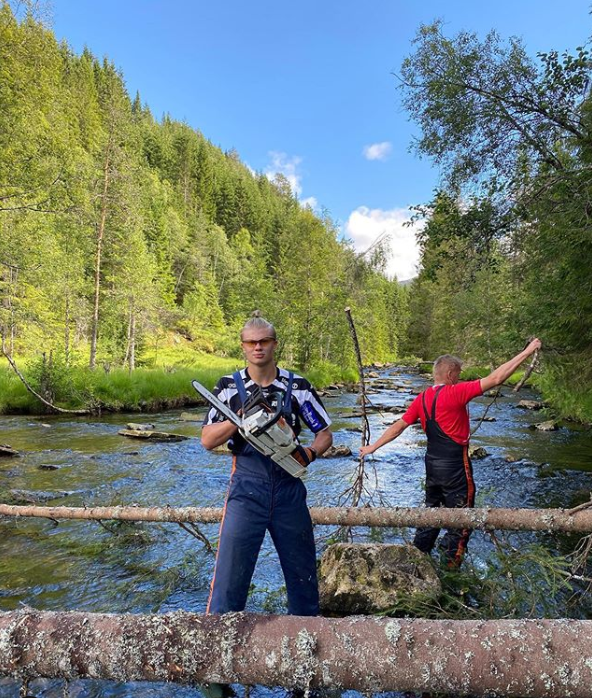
column 484, row 519
column 538, row 658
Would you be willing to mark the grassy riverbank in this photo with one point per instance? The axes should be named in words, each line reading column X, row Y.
column 119, row 390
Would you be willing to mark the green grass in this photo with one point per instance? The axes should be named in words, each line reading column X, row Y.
column 145, row 389
column 119, row 390
column 326, row 373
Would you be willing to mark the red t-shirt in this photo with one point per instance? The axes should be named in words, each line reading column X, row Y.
column 451, row 409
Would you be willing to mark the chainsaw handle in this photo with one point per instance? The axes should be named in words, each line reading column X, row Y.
column 279, row 410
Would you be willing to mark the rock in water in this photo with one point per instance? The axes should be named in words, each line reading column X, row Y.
column 140, row 427
column 551, row 425
column 6, row 450
column 530, row 405
column 337, row 452
column 476, row 452
column 152, row 435
column 370, row 578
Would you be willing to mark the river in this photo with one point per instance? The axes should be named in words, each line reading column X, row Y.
column 148, row 568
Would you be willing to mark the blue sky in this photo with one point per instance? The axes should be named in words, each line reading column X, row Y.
column 304, row 88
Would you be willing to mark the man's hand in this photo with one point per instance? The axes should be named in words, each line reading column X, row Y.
column 304, row 455
column 367, row 450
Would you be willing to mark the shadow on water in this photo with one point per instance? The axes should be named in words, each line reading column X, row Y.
column 146, row 568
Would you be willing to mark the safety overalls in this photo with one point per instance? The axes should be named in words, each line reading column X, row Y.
column 262, row 497
column 449, row 483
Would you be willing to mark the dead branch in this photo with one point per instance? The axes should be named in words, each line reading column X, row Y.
column 35, row 394
column 358, row 485
column 529, row 370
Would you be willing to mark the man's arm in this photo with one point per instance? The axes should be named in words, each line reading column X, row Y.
column 322, row 440
column 503, row 372
column 216, row 434
column 390, row 434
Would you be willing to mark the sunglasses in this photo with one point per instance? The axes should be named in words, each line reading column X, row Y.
column 252, row 343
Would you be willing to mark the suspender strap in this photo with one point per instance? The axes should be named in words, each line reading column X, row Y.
column 240, row 386
column 434, row 403
column 425, row 409
column 288, row 395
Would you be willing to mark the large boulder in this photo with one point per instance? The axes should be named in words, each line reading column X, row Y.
column 371, row 578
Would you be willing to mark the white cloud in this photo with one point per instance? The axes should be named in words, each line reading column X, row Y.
column 309, row 201
column 365, row 226
column 281, row 163
column 378, row 151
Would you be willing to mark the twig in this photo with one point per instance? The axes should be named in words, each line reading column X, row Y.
column 529, row 370
column 194, row 531
column 484, row 414
column 580, row 507
column 358, row 484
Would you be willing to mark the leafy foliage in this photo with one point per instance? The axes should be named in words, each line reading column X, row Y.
column 506, row 250
column 118, row 231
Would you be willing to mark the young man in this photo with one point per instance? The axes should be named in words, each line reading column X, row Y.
column 442, row 410
column 262, row 495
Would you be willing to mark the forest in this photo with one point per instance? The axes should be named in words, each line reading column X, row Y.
column 132, row 243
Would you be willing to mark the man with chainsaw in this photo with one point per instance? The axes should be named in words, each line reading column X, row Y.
column 263, row 495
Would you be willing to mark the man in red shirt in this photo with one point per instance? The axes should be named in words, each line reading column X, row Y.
column 442, row 410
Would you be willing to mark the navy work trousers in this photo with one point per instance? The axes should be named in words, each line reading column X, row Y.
column 261, row 500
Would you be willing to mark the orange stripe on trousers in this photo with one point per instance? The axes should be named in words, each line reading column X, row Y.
column 220, row 535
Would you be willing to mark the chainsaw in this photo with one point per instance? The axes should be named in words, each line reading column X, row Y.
column 263, row 427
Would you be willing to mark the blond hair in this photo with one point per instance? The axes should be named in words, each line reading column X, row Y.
column 257, row 322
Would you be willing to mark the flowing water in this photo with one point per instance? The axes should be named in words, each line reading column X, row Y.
column 149, row 568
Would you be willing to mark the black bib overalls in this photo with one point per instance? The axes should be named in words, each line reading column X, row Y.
column 449, row 483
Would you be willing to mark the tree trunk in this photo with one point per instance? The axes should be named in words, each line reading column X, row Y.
column 98, row 256
column 132, row 338
column 67, row 330
column 539, row 658
column 484, row 519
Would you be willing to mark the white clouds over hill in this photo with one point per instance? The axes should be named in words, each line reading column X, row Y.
column 364, row 226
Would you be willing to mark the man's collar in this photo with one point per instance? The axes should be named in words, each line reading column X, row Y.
column 248, row 377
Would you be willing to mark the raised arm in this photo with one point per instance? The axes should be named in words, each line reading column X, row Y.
column 503, row 372
column 390, row 434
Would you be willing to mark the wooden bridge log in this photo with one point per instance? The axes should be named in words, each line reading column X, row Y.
column 579, row 521
column 538, row 658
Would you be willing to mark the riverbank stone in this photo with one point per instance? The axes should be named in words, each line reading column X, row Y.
column 530, row 405
column 551, row 425
column 337, row 452
column 477, row 452
column 6, row 450
column 370, row 578
column 152, row 435
column 139, row 427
